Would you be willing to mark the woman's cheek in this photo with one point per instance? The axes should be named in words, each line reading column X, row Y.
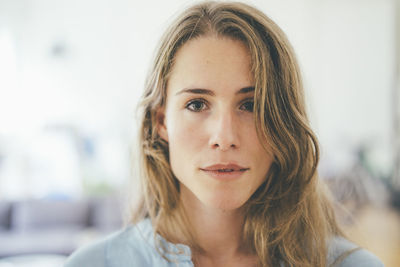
column 186, row 127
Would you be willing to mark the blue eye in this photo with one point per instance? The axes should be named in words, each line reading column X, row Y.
column 247, row 106
column 196, row 105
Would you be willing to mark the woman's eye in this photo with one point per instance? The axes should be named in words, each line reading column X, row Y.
column 247, row 106
column 196, row 105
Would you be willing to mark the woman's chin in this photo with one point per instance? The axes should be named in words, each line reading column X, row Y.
column 226, row 204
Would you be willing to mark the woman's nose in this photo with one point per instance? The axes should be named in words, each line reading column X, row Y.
column 224, row 132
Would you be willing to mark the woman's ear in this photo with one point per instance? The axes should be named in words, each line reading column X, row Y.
column 160, row 124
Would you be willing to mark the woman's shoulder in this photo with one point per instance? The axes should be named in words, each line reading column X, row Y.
column 131, row 245
column 344, row 253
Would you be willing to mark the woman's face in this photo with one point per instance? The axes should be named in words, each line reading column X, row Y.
column 208, row 122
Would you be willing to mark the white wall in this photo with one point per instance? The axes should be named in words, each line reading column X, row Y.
column 345, row 47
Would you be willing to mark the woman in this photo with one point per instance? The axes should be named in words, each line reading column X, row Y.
column 228, row 159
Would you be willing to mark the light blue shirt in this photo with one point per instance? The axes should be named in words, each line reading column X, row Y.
column 134, row 246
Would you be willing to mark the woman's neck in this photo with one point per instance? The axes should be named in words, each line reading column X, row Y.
column 218, row 232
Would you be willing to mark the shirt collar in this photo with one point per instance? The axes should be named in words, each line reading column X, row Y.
column 174, row 252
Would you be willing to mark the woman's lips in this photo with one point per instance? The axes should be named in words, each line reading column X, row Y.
column 225, row 171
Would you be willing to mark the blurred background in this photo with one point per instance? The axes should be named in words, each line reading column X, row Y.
column 71, row 74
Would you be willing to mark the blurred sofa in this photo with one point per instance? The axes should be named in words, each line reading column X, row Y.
column 51, row 226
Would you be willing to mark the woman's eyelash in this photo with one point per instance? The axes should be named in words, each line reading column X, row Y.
column 247, row 105
column 196, row 105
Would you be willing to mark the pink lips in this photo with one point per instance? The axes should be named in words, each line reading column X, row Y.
column 225, row 171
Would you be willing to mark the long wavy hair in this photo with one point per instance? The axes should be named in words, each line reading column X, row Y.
column 289, row 218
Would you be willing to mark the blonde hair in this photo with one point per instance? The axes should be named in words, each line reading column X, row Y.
column 289, row 218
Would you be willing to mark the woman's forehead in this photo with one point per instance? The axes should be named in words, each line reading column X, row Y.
column 212, row 62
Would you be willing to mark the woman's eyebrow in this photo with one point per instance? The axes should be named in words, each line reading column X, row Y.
column 246, row 90
column 196, row 91
column 201, row 91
